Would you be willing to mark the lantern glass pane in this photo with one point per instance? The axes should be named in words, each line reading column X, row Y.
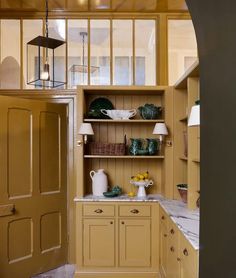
column 31, row 29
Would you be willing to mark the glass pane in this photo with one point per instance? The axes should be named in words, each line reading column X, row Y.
column 10, row 54
column 57, row 31
column 100, row 52
column 31, row 29
column 77, row 31
column 182, row 48
column 122, row 52
column 145, row 52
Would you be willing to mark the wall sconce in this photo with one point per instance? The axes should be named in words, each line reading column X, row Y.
column 194, row 117
column 161, row 130
column 85, row 129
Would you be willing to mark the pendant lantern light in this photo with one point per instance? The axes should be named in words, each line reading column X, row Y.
column 42, row 58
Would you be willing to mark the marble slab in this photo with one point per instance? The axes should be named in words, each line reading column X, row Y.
column 187, row 220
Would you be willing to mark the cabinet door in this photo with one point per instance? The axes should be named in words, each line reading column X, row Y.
column 163, row 250
column 99, row 242
column 189, row 259
column 135, row 241
column 173, row 262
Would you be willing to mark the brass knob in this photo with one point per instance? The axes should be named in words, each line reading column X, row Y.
column 178, row 259
column 163, row 217
column 111, row 222
column 122, row 222
column 13, row 210
column 135, row 211
column 172, row 249
column 185, row 252
column 165, row 235
column 172, row 231
column 98, row 211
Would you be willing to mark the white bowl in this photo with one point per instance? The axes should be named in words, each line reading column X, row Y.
column 119, row 114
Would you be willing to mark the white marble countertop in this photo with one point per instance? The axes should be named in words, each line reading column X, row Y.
column 187, row 220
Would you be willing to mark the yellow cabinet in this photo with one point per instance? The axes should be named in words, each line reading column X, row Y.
column 99, row 242
column 119, row 239
column 178, row 259
column 189, row 259
column 135, row 242
column 163, row 243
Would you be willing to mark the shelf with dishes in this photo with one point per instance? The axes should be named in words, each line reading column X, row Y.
column 125, row 156
column 123, row 121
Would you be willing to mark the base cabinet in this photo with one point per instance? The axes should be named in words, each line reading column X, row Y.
column 178, row 259
column 118, row 240
column 99, row 242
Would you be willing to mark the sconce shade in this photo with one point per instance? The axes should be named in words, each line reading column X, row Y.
column 194, row 118
column 160, row 129
column 86, row 129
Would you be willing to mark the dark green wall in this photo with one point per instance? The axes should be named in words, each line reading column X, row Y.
column 215, row 26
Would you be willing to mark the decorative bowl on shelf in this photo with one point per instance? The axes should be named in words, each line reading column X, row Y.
column 141, row 187
column 96, row 105
column 119, row 114
column 150, row 111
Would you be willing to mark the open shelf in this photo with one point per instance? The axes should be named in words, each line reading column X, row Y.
column 183, row 158
column 126, row 156
column 122, row 121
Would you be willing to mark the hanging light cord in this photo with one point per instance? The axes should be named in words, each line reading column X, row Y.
column 46, row 23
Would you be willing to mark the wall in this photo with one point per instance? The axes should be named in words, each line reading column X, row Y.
column 215, row 29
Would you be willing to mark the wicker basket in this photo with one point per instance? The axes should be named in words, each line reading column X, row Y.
column 99, row 148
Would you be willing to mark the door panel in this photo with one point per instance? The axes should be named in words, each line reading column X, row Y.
column 135, row 241
column 33, row 171
column 19, row 125
column 99, row 242
column 50, row 146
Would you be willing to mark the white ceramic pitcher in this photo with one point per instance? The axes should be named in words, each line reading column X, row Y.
column 99, row 182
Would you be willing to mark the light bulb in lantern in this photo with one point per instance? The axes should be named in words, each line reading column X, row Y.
column 45, row 73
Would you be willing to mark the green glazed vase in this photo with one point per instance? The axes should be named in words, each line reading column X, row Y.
column 136, row 145
column 152, row 146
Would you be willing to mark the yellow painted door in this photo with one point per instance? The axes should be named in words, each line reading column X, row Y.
column 33, row 217
column 135, row 242
column 99, row 242
column 163, row 250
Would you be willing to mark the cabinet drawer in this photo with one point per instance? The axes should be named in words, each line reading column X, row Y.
column 134, row 210
column 98, row 210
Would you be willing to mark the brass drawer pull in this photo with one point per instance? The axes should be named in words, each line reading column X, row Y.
column 111, row 222
column 98, row 211
column 165, row 235
column 122, row 222
column 172, row 249
column 178, row 259
column 163, row 217
column 185, row 252
column 172, row 231
column 135, row 211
